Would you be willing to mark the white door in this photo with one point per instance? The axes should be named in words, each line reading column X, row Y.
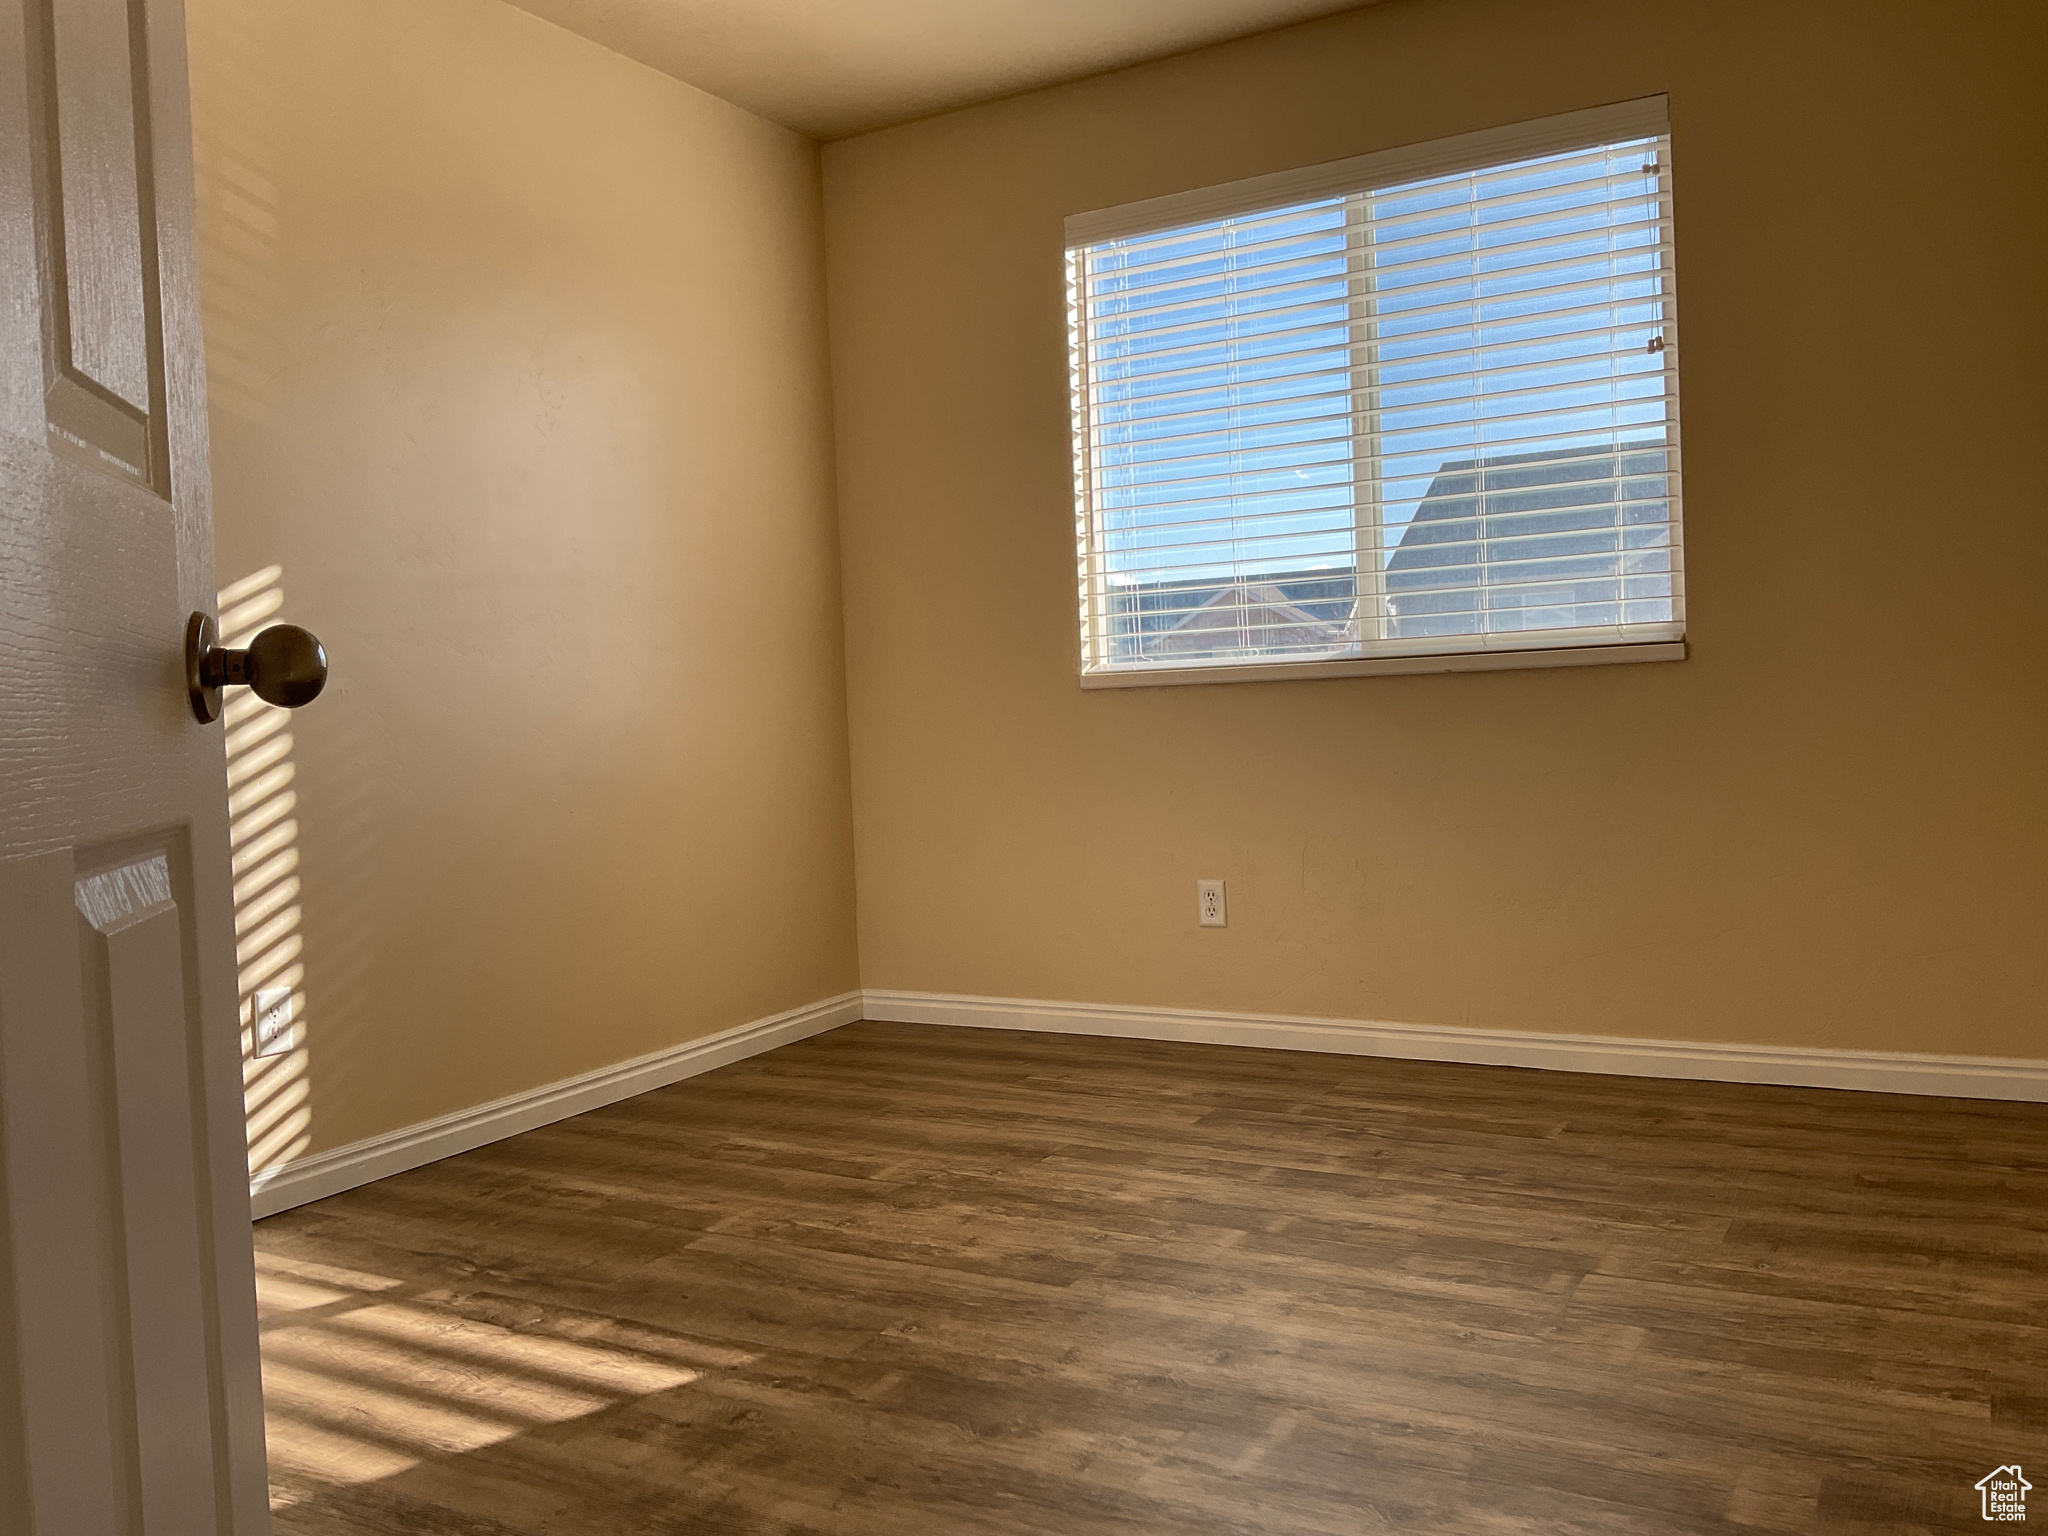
column 130, row 1397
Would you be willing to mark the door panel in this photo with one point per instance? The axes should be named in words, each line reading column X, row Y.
column 136, row 997
column 86, row 74
column 70, row 1453
column 96, row 224
column 128, row 1421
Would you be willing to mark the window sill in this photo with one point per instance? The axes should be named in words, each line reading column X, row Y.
column 1391, row 666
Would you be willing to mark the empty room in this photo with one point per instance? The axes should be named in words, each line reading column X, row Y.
column 1023, row 767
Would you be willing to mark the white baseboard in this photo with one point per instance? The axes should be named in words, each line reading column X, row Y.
column 1962, row 1077
column 329, row 1173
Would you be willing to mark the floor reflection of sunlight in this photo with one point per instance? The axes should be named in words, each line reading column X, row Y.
column 364, row 1377
column 264, row 836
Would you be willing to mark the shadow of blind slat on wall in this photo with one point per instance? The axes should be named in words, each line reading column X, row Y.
column 263, row 833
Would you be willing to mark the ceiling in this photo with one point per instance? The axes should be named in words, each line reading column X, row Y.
column 830, row 68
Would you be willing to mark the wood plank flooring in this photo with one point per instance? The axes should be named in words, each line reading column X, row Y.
column 901, row 1280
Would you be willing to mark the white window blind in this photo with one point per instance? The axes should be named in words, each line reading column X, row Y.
column 1419, row 403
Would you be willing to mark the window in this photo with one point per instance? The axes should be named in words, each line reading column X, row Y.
column 1412, row 411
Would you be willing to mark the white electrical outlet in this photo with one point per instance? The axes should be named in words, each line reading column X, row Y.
column 1209, row 909
column 274, row 1032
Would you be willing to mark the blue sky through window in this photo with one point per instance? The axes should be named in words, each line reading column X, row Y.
column 1273, row 393
column 1222, row 397
column 1513, row 311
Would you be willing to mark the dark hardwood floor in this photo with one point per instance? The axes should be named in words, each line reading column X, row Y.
column 909, row 1281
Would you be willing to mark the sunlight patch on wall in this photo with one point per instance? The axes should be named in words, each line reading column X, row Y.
column 263, row 834
column 235, row 204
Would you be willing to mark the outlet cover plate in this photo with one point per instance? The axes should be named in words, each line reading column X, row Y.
column 274, row 1032
column 1210, row 909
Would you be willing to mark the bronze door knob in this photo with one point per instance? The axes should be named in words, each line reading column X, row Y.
column 285, row 665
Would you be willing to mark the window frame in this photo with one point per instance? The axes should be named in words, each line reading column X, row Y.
column 1355, row 180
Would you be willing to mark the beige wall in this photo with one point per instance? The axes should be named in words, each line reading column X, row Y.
column 518, row 374
column 1825, row 827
